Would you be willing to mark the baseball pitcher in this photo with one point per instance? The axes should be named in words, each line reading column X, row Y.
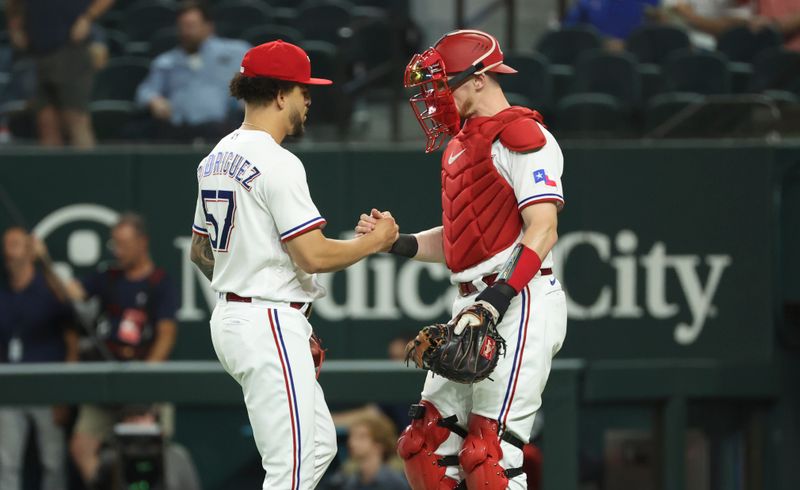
column 257, row 237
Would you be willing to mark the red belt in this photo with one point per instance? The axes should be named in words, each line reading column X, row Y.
column 467, row 288
column 294, row 304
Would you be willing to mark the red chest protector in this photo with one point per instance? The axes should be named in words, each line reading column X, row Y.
column 479, row 208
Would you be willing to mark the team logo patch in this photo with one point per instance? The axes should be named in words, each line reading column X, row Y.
column 488, row 347
column 541, row 176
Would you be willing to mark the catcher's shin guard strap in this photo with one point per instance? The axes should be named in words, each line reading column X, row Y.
column 451, row 423
column 424, row 469
column 513, row 440
column 520, row 267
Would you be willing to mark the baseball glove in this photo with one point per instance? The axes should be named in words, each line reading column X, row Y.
column 465, row 355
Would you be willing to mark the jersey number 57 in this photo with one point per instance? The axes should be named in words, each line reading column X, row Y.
column 220, row 209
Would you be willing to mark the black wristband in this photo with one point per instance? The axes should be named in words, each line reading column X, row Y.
column 498, row 295
column 405, row 246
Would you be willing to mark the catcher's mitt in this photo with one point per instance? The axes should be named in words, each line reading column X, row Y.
column 466, row 357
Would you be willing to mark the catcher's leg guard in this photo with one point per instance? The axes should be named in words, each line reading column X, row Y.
column 425, row 470
column 532, row 466
column 481, row 454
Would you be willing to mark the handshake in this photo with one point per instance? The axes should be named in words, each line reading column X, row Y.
column 381, row 225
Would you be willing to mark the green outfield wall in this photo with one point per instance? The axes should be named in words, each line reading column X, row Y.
column 656, row 242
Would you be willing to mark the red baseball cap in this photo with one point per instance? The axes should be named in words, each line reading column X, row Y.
column 280, row 60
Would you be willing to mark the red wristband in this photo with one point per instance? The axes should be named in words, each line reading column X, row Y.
column 527, row 266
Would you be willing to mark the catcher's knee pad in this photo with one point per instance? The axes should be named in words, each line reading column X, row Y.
column 424, row 468
column 481, row 454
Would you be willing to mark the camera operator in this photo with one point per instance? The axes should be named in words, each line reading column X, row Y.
column 137, row 303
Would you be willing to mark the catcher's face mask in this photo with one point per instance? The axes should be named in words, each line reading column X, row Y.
column 466, row 52
column 433, row 103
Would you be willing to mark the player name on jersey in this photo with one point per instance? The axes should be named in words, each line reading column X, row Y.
column 231, row 164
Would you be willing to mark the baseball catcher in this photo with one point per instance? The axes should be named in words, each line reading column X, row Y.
column 501, row 194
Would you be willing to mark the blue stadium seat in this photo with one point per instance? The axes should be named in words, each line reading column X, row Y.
column 615, row 74
column 146, row 17
column 324, row 20
column 703, row 72
column 653, row 43
column 120, row 78
column 591, row 116
column 564, row 46
column 110, row 117
column 329, row 103
column 533, row 80
column 776, row 69
column 233, row 18
column 742, row 44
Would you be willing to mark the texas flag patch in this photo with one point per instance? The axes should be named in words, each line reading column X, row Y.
column 541, row 176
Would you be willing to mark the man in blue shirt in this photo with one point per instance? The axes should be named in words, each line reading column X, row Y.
column 186, row 90
column 615, row 19
column 32, row 329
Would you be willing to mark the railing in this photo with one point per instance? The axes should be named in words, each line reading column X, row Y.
column 670, row 385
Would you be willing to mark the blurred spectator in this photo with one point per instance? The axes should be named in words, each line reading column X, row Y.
column 706, row 19
column 397, row 412
column 783, row 16
column 371, row 444
column 186, row 90
column 32, row 329
column 615, row 19
column 709, row 19
column 396, row 351
column 137, row 322
column 56, row 35
column 139, row 457
column 98, row 47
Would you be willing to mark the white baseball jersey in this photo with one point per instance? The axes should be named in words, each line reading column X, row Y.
column 252, row 198
column 536, row 178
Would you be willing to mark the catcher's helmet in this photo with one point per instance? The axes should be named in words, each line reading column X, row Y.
column 459, row 54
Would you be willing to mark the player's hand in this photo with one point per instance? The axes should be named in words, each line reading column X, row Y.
column 386, row 232
column 160, row 108
column 80, row 29
column 475, row 315
column 366, row 222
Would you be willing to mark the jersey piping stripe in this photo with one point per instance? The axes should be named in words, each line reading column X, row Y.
column 200, row 231
column 516, row 366
column 541, row 196
column 294, row 397
column 521, row 353
column 303, row 228
column 289, row 399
